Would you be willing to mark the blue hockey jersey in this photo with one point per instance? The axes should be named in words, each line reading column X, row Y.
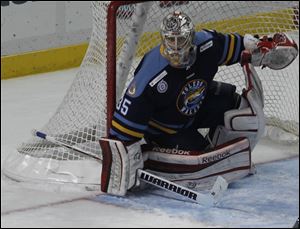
column 162, row 99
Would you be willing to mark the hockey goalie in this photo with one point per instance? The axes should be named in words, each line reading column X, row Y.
column 156, row 123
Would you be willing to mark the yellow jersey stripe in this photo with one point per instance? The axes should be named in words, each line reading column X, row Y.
column 231, row 48
column 167, row 130
column 127, row 131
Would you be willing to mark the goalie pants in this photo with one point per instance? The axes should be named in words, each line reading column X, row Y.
column 220, row 98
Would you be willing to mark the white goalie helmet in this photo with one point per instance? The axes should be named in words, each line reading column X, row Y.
column 177, row 34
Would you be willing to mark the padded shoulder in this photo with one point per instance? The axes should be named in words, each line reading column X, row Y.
column 152, row 64
column 203, row 36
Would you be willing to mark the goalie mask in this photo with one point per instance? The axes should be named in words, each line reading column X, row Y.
column 177, row 34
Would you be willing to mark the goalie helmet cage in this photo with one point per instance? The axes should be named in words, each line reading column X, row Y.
column 123, row 31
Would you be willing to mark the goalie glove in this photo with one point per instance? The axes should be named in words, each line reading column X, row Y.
column 119, row 166
column 275, row 52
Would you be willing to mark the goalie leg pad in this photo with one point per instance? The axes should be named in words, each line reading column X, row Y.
column 119, row 166
column 199, row 170
column 248, row 120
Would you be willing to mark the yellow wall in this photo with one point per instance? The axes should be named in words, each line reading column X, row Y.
column 42, row 61
column 71, row 56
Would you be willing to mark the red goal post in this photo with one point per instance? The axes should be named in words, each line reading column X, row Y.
column 111, row 54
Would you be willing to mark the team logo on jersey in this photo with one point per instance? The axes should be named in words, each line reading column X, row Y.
column 162, row 86
column 191, row 97
column 131, row 89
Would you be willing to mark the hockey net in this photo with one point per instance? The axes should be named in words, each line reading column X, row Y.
column 122, row 33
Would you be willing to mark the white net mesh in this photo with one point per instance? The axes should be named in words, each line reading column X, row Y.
column 81, row 118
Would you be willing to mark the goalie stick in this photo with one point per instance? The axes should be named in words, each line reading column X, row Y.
column 63, row 144
column 210, row 199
